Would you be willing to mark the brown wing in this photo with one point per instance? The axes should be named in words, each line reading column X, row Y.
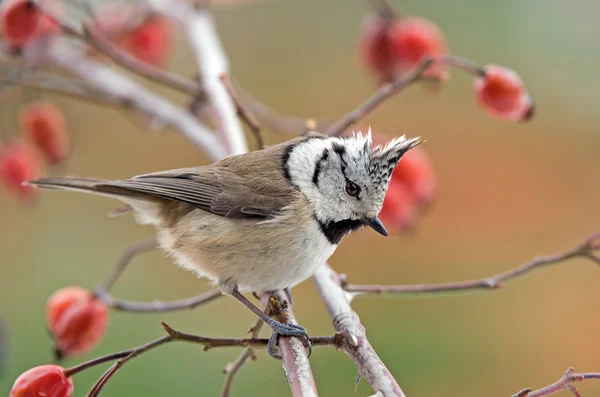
column 249, row 185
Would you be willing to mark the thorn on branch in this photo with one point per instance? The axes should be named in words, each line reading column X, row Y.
column 357, row 381
column 168, row 329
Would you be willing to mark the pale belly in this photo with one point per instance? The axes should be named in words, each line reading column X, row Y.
column 255, row 256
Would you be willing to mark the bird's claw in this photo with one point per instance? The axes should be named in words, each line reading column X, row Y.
column 286, row 330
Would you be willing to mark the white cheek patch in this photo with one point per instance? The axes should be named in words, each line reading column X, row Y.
column 302, row 161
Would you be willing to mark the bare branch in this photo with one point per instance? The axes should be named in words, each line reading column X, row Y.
column 58, row 84
column 102, row 78
column 212, row 63
column 276, row 121
column 128, row 61
column 565, row 382
column 232, row 369
column 125, row 258
column 102, row 291
column 295, row 361
column 583, row 250
column 245, row 114
column 390, row 89
column 157, row 306
column 173, row 336
column 354, row 339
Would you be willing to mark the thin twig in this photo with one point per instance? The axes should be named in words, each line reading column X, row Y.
column 59, row 85
column 128, row 61
column 125, row 258
column 276, row 121
column 232, row 369
column 295, row 361
column 243, row 112
column 390, row 89
column 96, row 39
column 352, row 334
column 157, row 306
column 583, row 250
column 384, row 9
column 565, row 382
column 102, row 291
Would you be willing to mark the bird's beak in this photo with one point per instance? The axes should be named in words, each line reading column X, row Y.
column 376, row 224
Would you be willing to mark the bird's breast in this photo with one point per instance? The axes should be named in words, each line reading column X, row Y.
column 258, row 255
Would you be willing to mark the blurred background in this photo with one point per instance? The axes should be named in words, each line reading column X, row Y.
column 507, row 192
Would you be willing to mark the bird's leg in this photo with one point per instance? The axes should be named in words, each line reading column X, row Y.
column 288, row 291
column 276, row 326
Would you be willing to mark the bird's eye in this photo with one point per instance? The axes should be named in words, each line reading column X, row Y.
column 352, row 189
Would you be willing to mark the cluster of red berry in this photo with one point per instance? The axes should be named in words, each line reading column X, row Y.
column 44, row 132
column 77, row 321
column 392, row 46
column 26, row 22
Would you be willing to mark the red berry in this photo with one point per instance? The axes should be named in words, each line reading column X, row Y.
column 43, row 381
column 43, row 124
column 150, row 42
column 22, row 21
column 19, row 163
column 391, row 47
column 416, row 172
column 399, row 209
column 76, row 319
column 502, row 94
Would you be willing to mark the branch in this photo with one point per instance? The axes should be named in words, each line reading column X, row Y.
column 295, row 361
column 173, row 336
column 157, row 306
column 58, row 84
column 584, row 250
column 102, row 291
column 95, row 38
column 390, row 89
column 243, row 112
column 212, row 63
column 125, row 258
column 128, row 61
column 279, row 122
column 232, row 369
column 136, row 96
column 565, row 382
column 355, row 343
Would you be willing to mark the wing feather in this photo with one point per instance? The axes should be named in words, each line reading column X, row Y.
column 247, row 186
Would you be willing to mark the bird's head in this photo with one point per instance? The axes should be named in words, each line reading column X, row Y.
column 345, row 179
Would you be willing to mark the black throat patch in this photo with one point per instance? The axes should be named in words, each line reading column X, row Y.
column 334, row 231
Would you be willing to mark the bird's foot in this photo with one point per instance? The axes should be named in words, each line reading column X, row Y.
column 286, row 330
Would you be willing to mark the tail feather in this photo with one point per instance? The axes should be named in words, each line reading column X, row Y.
column 88, row 185
column 147, row 207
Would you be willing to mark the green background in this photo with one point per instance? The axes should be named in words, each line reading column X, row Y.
column 507, row 192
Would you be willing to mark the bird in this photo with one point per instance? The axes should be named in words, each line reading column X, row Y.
column 264, row 220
